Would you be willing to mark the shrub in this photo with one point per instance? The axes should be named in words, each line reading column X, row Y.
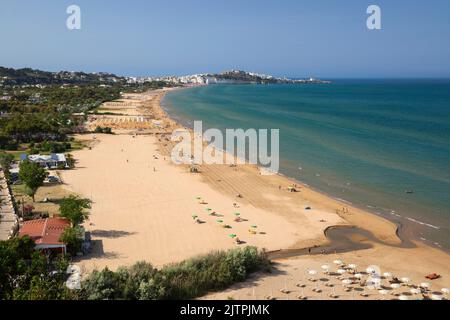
column 106, row 130
column 186, row 280
column 72, row 238
column 104, row 285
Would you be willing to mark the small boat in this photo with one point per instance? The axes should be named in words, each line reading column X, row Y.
column 409, row 191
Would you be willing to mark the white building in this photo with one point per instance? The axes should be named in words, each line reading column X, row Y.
column 52, row 161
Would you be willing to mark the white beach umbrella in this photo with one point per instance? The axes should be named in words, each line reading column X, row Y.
column 358, row 275
column 436, row 297
column 445, row 290
column 425, row 285
column 387, row 275
column 370, row 270
column 338, row 262
column 347, row 281
column 352, row 266
column 405, row 280
column 325, row 267
column 312, row 272
column 403, row 297
column 383, row 292
column 395, row 285
column 414, row 291
column 341, row 271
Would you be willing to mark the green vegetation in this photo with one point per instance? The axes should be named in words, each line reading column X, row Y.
column 28, row 76
column 72, row 238
column 74, row 209
column 106, row 130
column 26, row 274
column 6, row 160
column 185, row 280
column 33, row 176
column 43, row 107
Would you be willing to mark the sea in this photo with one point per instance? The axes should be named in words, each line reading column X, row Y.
column 382, row 145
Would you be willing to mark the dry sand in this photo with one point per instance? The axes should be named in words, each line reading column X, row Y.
column 143, row 206
column 288, row 273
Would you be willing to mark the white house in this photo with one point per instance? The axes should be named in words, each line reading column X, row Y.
column 52, row 161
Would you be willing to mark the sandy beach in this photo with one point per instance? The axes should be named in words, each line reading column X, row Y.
column 143, row 207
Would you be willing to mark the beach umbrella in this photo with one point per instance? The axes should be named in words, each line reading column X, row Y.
column 383, row 292
column 347, row 281
column 358, row 275
column 352, row 266
column 338, row 262
column 208, row 209
column 395, row 285
column 374, row 282
column 414, row 291
column 370, row 270
column 445, row 290
column 237, row 214
column 425, row 285
column 312, row 272
column 405, row 280
column 254, row 226
column 403, row 297
column 341, row 271
column 387, row 275
column 219, row 221
column 436, row 297
column 232, row 236
column 325, row 267
column 194, row 216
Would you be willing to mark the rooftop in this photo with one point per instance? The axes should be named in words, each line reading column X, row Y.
column 59, row 157
column 45, row 231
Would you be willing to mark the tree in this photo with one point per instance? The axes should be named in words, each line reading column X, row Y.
column 70, row 161
column 6, row 160
column 74, row 209
column 26, row 273
column 33, row 176
column 72, row 238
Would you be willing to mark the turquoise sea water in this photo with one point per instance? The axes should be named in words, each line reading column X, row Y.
column 364, row 141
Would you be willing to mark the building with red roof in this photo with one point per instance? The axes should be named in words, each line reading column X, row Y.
column 46, row 233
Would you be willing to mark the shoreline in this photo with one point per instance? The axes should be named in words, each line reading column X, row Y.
column 404, row 229
column 293, row 181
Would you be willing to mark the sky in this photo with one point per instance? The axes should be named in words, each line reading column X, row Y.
column 294, row 38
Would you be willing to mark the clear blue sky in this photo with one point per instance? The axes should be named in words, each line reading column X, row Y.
column 321, row 38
